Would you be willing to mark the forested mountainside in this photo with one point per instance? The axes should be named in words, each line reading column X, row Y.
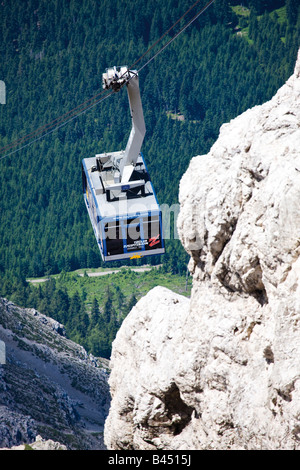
column 221, row 370
column 53, row 55
column 52, row 58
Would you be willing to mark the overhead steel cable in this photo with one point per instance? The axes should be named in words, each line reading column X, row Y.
column 56, row 121
column 172, row 39
column 177, row 34
column 65, row 118
column 57, row 126
column 167, row 32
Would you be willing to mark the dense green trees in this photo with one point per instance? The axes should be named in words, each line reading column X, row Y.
column 93, row 328
column 52, row 58
column 53, row 54
column 292, row 8
column 91, row 308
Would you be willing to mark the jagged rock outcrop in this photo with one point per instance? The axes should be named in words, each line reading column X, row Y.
column 39, row 444
column 222, row 370
column 49, row 386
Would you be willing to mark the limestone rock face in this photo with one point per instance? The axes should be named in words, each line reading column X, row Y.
column 49, row 385
column 142, row 379
column 240, row 215
column 222, row 370
column 39, row 444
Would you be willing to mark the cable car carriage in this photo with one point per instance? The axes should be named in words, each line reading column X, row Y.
column 118, row 193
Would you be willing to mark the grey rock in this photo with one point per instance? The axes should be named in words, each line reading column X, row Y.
column 49, row 386
column 222, row 370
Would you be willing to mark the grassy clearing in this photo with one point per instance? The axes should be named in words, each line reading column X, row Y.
column 125, row 280
column 239, row 10
column 280, row 14
column 243, row 17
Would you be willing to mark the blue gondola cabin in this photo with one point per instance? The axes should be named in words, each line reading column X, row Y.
column 126, row 219
column 117, row 190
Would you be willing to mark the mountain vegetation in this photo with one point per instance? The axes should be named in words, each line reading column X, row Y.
column 93, row 306
column 234, row 56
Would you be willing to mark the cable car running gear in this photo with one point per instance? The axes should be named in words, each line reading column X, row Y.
column 117, row 189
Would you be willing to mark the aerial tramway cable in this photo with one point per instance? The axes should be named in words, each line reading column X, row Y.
column 54, row 128
column 69, row 116
column 179, row 32
column 173, row 26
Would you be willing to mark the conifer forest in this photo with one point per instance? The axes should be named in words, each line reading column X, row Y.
column 52, row 55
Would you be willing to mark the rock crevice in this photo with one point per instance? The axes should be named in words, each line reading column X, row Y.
column 227, row 360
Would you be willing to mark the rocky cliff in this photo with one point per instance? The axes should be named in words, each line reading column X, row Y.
column 52, row 393
column 222, row 370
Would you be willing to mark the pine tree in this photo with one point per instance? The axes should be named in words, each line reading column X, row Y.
column 108, row 306
column 95, row 313
column 223, row 11
column 131, row 303
column 292, row 11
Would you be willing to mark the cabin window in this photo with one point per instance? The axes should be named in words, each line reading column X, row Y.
column 84, row 183
column 114, row 240
column 152, row 233
column 133, row 235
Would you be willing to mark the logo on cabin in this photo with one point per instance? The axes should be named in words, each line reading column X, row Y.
column 154, row 240
column 2, row 92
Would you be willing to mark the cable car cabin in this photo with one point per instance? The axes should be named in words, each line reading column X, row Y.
column 126, row 218
column 118, row 193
